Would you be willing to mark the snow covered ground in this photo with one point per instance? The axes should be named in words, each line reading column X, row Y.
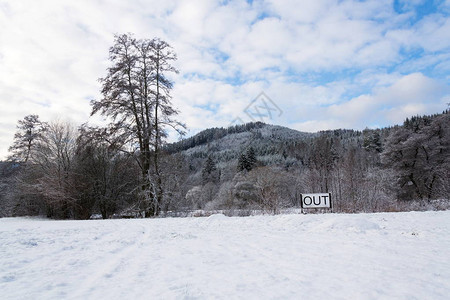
column 329, row 256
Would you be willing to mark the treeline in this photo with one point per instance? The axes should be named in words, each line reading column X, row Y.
column 69, row 174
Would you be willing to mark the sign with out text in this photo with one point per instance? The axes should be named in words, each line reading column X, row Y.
column 322, row 200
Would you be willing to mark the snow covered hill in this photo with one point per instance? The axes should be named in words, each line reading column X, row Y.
column 328, row 256
column 228, row 143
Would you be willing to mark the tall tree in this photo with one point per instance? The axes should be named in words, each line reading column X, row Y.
column 30, row 129
column 161, row 57
column 136, row 98
column 123, row 90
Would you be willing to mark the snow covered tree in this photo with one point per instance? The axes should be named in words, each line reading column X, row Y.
column 247, row 160
column 323, row 158
column 105, row 177
column 9, row 206
column 175, row 175
column 54, row 162
column 136, row 98
column 244, row 193
column 25, row 195
column 251, row 158
column 194, row 196
column 30, row 129
column 419, row 153
column 46, row 180
column 272, row 188
column 242, row 162
column 163, row 110
column 126, row 100
column 372, row 140
column 209, row 171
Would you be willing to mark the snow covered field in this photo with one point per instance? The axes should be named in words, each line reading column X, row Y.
column 330, row 256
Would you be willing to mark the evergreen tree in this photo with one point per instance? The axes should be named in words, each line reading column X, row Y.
column 251, row 158
column 242, row 162
column 209, row 171
column 247, row 160
column 372, row 140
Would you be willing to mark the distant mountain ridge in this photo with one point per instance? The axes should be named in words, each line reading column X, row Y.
column 235, row 138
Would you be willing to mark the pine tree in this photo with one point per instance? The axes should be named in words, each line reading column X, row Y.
column 372, row 140
column 209, row 171
column 242, row 162
column 251, row 158
column 247, row 160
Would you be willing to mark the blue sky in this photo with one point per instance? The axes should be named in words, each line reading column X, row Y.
column 325, row 64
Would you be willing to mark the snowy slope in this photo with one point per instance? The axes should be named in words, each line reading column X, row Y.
column 330, row 256
column 262, row 138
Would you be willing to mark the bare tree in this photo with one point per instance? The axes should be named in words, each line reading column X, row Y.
column 174, row 173
column 54, row 161
column 272, row 186
column 194, row 196
column 105, row 177
column 46, row 179
column 162, row 55
column 136, row 98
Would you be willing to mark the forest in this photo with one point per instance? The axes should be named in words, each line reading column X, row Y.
column 127, row 168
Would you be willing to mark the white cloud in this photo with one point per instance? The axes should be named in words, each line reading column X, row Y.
column 299, row 53
column 434, row 33
column 410, row 95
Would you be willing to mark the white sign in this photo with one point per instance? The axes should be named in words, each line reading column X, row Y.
column 322, row 200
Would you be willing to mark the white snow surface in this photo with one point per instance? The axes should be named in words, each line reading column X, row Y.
column 326, row 256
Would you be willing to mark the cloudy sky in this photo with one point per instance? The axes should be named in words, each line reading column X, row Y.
column 321, row 64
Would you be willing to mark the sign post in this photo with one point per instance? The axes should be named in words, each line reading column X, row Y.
column 321, row 200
